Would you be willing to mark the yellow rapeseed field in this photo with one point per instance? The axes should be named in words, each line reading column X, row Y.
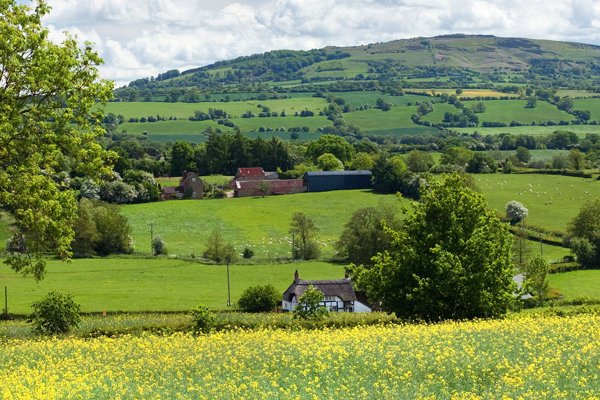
column 522, row 358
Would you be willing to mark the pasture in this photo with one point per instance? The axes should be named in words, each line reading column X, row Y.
column 531, row 357
column 577, row 284
column 580, row 130
column 261, row 224
column 152, row 284
column 552, row 200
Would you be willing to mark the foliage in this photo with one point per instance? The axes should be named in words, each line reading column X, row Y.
column 365, row 234
column 159, row 247
column 55, row 313
column 329, row 162
column 218, row 250
column 304, row 244
column 419, row 161
column 481, row 163
column 259, row 298
column 248, row 253
column 336, row 145
column 362, row 161
column 536, row 278
column 100, row 229
column 450, row 259
column 48, row 125
column 309, row 305
column 203, row 320
column 516, row 212
column 388, row 174
column 584, row 231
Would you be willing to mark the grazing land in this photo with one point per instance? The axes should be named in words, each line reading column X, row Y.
column 577, row 284
column 159, row 284
column 528, row 357
column 260, row 223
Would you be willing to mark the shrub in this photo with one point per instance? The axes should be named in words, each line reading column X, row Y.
column 159, row 247
column 248, row 252
column 203, row 319
column 516, row 212
column 309, row 305
column 55, row 313
column 259, row 298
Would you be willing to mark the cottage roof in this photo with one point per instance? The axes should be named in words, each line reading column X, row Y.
column 341, row 288
column 250, row 172
column 362, row 172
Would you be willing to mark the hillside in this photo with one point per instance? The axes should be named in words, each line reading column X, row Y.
column 442, row 61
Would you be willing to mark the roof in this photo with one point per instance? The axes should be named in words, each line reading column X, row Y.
column 361, row 172
column 247, row 172
column 169, row 190
column 341, row 288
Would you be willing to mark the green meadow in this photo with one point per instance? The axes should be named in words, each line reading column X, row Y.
column 577, row 284
column 153, row 284
column 553, row 200
column 261, row 224
column 580, row 130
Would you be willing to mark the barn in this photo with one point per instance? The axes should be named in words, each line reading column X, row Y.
column 322, row 181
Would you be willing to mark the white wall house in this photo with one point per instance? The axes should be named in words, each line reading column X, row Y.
column 339, row 295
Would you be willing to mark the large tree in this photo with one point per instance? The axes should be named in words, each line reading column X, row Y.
column 450, row 259
column 48, row 126
column 584, row 232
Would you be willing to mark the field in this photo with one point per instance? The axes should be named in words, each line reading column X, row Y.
column 552, row 200
column 259, row 223
column 528, row 357
column 580, row 130
column 127, row 284
column 577, row 284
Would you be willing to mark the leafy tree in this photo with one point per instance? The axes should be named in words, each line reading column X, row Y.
column 450, row 259
column 516, row 212
column 48, row 124
column 419, row 161
column 383, row 105
column 365, row 234
column 215, row 247
column 388, row 174
column 336, row 145
column 536, row 278
column 584, row 232
column 203, row 319
column 576, row 159
column 259, row 298
column 182, row 158
column 159, row 247
column 304, row 243
column 55, row 313
column 329, row 162
column 531, row 102
column 309, row 305
column 458, row 156
column 481, row 163
column 523, row 154
column 362, row 161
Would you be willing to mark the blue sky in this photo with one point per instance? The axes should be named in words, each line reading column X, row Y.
column 140, row 38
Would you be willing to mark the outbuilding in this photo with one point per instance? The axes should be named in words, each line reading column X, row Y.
column 323, row 181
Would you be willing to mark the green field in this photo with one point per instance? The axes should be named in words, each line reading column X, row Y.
column 127, row 284
column 552, row 200
column 592, row 105
column 259, row 223
column 395, row 122
column 580, row 130
column 514, row 110
column 577, row 284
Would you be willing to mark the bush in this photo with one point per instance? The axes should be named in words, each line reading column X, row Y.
column 309, row 305
column 259, row 298
column 248, row 253
column 159, row 247
column 55, row 313
column 203, row 319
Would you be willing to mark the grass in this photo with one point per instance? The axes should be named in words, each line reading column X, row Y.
column 153, row 284
column 259, row 223
column 552, row 200
column 514, row 110
column 535, row 357
column 593, row 105
column 577, row 284
column 580, row 130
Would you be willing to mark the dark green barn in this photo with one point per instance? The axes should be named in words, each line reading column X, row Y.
column 323, row 181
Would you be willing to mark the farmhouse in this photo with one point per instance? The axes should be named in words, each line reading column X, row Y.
column 339, row 295
column 322, row 181
column 252, row 174
column 190, row 187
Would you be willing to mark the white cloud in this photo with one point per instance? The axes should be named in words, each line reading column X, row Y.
column 138, row 38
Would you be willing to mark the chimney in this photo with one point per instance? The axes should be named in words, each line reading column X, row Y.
column 296, row 276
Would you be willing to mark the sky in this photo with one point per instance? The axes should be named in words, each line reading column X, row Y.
column 141, row 38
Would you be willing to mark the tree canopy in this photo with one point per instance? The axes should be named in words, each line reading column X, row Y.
column 584, row 232
column 450, row 259
column 47, row 127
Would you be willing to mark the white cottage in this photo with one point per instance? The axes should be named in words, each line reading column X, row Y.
column 339, row 295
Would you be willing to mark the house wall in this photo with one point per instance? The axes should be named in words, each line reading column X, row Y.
column 333, row 304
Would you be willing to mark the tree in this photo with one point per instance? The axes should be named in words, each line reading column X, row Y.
column 450, row 259
column 481, row 163
column 523, row 154
column 576, row 159
column 336, row 145
column 259, row 299
column 419, row 161
column 362, row 161
column 215, row 247
column 516, row 212
column 48, row 124
column 584, row 232
column 458, row 156
column 531, row 102
column 365, row 234
column 388, row 174
column 55, row 313
column 303, row 231
column 309, row 305
column 536, row 278
column 159, row 247
column 329, row 162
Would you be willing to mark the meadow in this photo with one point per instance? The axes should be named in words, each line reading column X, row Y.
column 527, row 357
column 153, row 284
column 577, row 284
column 260, row 223
column 580, row 130
column 553, row 200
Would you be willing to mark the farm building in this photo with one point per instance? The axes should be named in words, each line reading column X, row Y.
column 339, row 295
column 252, row 174
column 268, row 186
column 190, row 187
column 322, row 181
